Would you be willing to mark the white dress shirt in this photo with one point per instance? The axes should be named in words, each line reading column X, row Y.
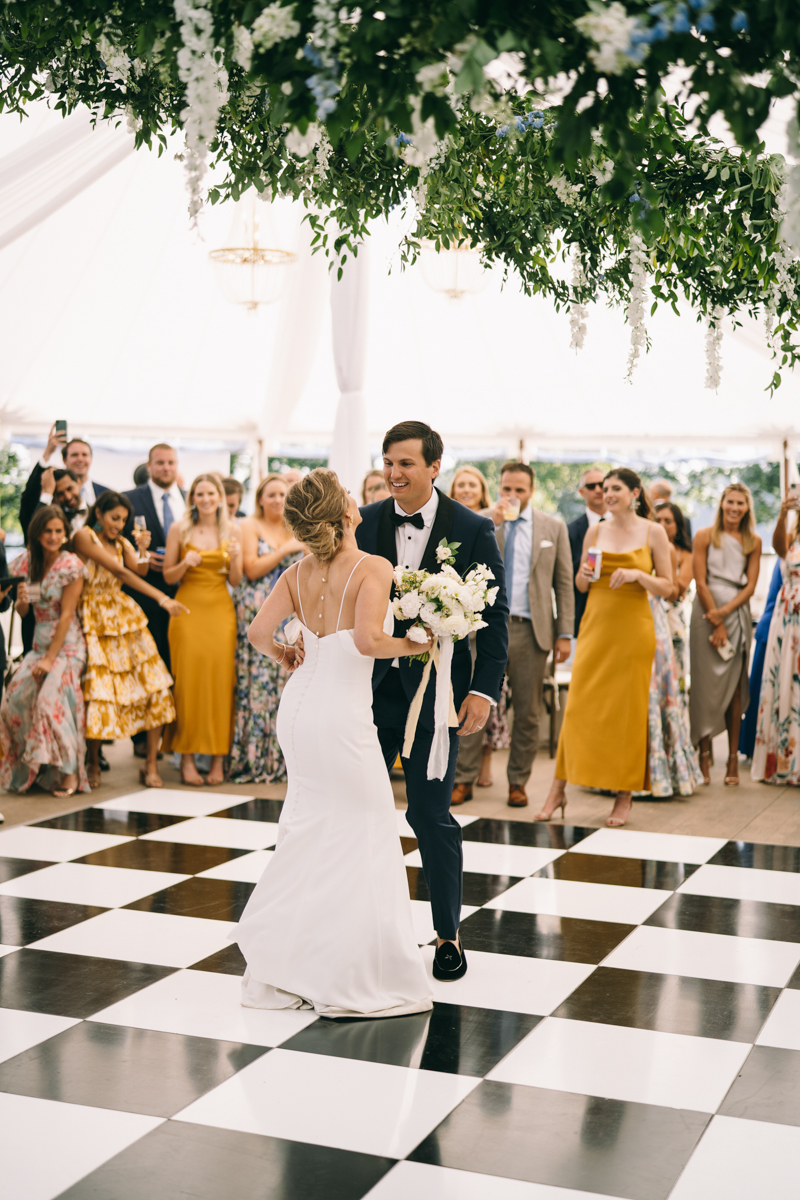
column 593, row 518
column 176, row 500
column 88, row 496
column 519, row 596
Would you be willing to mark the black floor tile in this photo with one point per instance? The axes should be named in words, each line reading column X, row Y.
column 12, row 868
column 526, row 833
column 671, row 1004
column 106, row 820
column 756, row 854
column 253, row 810
column 536, row 935
column 794, row 982
column 478, row 888
column 203, row 1163
column 70, row 985
column 622, row 872
column 23, row 921
column 452, row 1038
column 737, row 918
column 409, row 844
column 636, row 1151
column 162, row 856
column 767, row 1088
column 132, row 1070
column 228, row 961
column 217, row 899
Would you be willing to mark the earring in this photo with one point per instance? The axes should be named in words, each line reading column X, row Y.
column 633, row 503
column 195, row 513
column 98, row 527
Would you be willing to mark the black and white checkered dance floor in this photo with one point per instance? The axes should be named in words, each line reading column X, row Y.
column 629, row 1025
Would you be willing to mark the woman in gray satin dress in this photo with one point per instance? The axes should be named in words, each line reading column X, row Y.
column 726, row 559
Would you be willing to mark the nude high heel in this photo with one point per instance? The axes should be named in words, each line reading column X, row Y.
column 548, row 816
column 617, row 822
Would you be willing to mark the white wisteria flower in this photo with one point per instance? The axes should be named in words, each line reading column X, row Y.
column 206, row 83
column 567, row 192
column 242, row 47
column 714, row 348
column 274, row 24
column 577, row 310
column 611, row 30
column 637, row 301
column 302, row 144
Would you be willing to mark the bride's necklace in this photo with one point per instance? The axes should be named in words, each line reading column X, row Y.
column 322, row 596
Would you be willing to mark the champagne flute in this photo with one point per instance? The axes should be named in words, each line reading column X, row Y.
column 225, row 568
column 140, row 525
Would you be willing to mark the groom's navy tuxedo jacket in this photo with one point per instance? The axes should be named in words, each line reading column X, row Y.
column 454, row 523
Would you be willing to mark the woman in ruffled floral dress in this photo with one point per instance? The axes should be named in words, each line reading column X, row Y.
column 42, row 717
column 268, row 548
column 674, row 765
column 127, row 685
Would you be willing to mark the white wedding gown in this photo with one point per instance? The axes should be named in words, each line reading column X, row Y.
column 328, row 925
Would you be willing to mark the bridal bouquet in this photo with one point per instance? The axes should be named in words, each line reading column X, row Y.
column 450, row 608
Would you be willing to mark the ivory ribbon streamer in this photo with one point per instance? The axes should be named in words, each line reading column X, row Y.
column 444, row 709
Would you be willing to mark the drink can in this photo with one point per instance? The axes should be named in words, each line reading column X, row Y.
column 595, row 559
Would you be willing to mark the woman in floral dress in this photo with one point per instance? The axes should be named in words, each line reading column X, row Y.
column 127, row 685
column 268, row 548
column 776, row 758
column 42, row 717
column 674, row 765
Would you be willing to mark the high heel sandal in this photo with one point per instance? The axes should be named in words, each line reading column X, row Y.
column 94, row 777
column 733, row 780
column 705, row 759
column 548, row 816
column 199, row 782
column 143, row 780
column 615, row 822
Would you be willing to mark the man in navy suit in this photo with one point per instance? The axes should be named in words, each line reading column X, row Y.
column 591, row 489
column 406, row 529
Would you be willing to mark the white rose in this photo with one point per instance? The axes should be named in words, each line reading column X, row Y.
column 417, row 634
column 442, row 553
column 397, row 610
column 410, row 605
column 491, row 595
column 428, row 613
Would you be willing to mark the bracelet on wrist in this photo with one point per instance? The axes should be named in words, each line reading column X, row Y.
column 283, row 656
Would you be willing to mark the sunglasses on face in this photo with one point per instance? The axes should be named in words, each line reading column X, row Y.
column 591, row 486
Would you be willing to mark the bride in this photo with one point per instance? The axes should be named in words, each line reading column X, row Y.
column 329, row 926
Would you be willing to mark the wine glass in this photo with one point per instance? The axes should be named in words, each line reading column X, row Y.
column 225, row 568
column 140, row 523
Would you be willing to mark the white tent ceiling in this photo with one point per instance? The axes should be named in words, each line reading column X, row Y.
column 111, row 317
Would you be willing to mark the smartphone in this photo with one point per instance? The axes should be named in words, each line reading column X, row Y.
column 793, row 494
column 61, row 427
column 11, row 581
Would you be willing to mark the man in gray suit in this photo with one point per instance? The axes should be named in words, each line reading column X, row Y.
column 538, row 563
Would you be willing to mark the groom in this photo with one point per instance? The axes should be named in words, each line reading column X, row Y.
column 406, row 529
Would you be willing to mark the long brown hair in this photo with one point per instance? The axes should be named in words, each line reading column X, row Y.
column 36, row 528
column 631, row 480
column 746, row 525
column 468, row 469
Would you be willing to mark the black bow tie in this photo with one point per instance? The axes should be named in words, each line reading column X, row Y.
column 401, row 519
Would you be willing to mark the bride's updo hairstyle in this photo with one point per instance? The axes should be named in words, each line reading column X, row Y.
column 315, row 510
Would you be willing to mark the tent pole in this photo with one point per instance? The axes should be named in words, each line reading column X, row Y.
column 785, row 469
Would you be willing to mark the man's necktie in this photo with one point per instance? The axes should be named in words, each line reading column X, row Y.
column 508, row 554
column 401, row 519
column 169, row 516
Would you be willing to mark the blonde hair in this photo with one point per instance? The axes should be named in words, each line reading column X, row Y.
column 746, row 525
column 315, row 511
column 273, row 477
column 188, row 522
column 468, row 469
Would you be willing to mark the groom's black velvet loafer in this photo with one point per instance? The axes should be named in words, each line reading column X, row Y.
column 449, row 963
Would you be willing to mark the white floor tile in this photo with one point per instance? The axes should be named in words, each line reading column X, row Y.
column 426, row 1182
column 204, row 1004
column 782, row 1027
column 706, row 956
column 510, row 982
column 405, row 830
column 422, row 919
column 172, row 802
column 742, row 1160
column 48, row 1145
column 742, row 883
column 7, row 950
column 490, row 858
column 53, row 845
column 590, row 901
column 219, row 831
column 82, row 883
column 247, row 869
column 142, row 937
column 19, row 1030
column 666, row 847
column 620, row 1063
column 368, row 1107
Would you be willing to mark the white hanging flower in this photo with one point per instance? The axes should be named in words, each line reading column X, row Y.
column 611, row 30
column 790, row 192
column 637, row 301
column 242, row 47
column 134, row 123
column 567, row 192
column 206, row 91
column 302, row 144
column 577, row 311
column 714, row 348
column 323, row 155
column 784, row 285
column 118, row 64
column 275, row 24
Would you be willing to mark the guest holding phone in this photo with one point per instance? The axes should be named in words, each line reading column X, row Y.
column 726, row 557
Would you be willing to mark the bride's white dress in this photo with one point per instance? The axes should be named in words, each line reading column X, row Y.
column 328, row 925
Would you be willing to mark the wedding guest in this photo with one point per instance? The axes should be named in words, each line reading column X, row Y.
column 672, row 521
column 590, row 489
column 291, row 475
column 203, row 555
column 268, row 548
column 54, row 485
column 470, row 488
column 776, row 754
column 747, row 736
column 5, row 604
column 42, row 717
column 126, row 685
column 372, row 489
column 535, row 548
column 660, row 490
column 603, row 742
column 234, row 494
column 726, row 561
column 141, row 475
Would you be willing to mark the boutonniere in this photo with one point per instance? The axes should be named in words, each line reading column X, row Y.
column 446, row 552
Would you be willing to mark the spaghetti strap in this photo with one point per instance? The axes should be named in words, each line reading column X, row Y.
column 299, row 597
column 346, row 586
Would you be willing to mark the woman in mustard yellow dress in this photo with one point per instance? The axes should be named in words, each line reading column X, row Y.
column 203, row 556
column 126, row 684
column 603, row 742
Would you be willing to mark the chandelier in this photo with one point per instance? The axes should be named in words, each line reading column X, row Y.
column 457, row 271
column 248, row 272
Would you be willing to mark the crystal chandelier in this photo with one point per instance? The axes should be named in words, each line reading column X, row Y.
column 248, row 272
column 457, row 271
